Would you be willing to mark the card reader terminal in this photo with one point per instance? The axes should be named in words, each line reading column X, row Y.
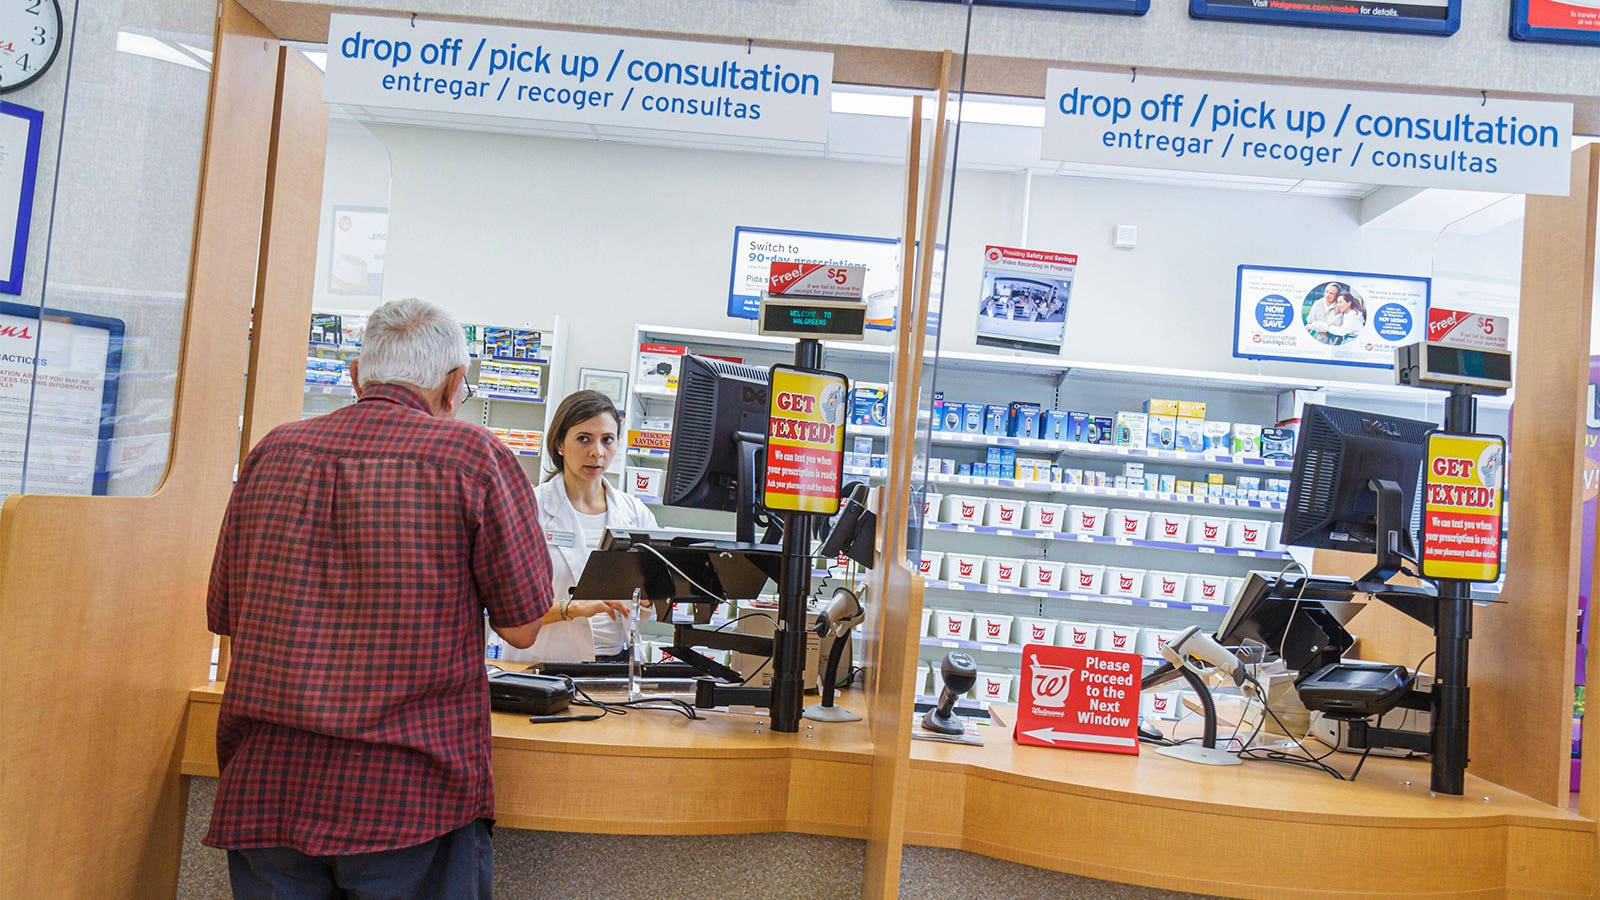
column 1355, row 689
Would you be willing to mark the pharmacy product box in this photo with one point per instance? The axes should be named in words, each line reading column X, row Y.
column 1077, row 634
column 1035, row 631
column 1004, row 456
column 993, row 686
column 965, row 568
column 1042, row 574
column 1129, row 523
column 1217, row 436
column 1208, row 530
column 931, row 504
column 1248, row 534
column 1190, row 435
column 1277, row 443
column 1101, row 430
column 1169, row 483
column 931, row 566
column 923, row 670
column 1022, row 420
column 1245, row 440
column 1170, row 527
column 1124, row 581
column 1084, row 578
column 1292, row 403
column 1161, row 407
column 994, row 420
column 658, row 364
column 1005, row 512
column 1086, row 519
column 863, row 445
column 1133, row 470
column 1119, row 638
column 869, row 405
column 1054, row 426
column 964, row 509
column 1132, row 430
column 1165, row 705
column 992, row 628
column 1153, row 639
column 954, row 416
column 1211, row 589
column 1043, row 516
column 927, row 620
column 1003, row 571
column 952, row 624
column 972, row 418
column 1078, row 427
column 326, row 328
column 1191, row 409
column 1160, row 585
column 1162, row 432
column 936, row 411
column 644, row 481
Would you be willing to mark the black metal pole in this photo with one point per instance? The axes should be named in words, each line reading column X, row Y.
column 1452, row 630
column 794, row 584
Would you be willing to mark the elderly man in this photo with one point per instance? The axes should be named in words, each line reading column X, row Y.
column 358, row 557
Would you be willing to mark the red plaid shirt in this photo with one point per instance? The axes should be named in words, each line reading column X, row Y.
column 357, row 557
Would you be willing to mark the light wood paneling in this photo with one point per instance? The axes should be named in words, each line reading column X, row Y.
column 1144, row 820
column 1522, row 650
column 102, row 622
column 288, row 262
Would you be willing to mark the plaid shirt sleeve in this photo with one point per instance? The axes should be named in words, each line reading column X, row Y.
column 510, row 563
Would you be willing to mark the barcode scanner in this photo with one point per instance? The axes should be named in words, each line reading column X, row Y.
column 959, row 673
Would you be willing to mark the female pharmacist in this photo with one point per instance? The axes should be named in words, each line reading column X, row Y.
column 576, row 506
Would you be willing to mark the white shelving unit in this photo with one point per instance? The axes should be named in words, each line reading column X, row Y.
column 1101, row 389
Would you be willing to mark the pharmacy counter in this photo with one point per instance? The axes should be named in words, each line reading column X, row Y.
column 1258, row 829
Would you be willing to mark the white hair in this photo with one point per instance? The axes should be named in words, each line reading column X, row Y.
column 411, row 342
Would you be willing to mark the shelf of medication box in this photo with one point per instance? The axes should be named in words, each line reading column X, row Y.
column 648, row 453
column 935, row 585
column 986, row 647
column 1076, row 448
column 655, row 392
column 340, row 348
column 481, row 394
column 1085, row 490
column 336, row 390
column 513, row 359
column 1103, row 540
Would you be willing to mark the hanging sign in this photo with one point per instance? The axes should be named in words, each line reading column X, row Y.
column 796, row 279
column 1467, row 329
column 1441, row 17
column 1462, row 506
column 805, row 441
column 1306, row 133
column 599, row 80
column 813, row 300
column 1080, row 699
column 1327, row 316
column 1023, row 305
column 1556, row 21
column 1118, row 7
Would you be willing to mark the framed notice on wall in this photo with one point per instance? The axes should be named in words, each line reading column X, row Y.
column 1327, row 316
column 58, row 399
column 359, row 237
column 1556, row 21
column 19, row 163
column 1441, row 17
column 756, row 249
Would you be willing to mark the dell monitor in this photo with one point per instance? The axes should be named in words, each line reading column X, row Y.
column 719, row 430
column 1343, row 458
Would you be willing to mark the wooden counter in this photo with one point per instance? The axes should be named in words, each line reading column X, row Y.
column 1253, row 830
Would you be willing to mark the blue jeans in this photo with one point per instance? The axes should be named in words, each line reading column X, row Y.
column 458, row 865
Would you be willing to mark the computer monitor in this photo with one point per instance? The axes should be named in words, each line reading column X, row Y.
column 1332, row 501
column 1296, row 617
column 719, row 430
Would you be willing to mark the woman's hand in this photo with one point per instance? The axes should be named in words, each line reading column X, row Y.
column 583, row 609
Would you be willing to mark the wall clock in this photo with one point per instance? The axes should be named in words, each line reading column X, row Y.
column 30, row 35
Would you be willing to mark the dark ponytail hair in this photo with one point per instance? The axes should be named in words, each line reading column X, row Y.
column 579, row 406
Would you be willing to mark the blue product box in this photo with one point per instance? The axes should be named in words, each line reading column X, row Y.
column 1077, row 427
column 863, row 445
column 869, row 406
column 1101, row 430
column 972, row 418
column 936, row 412
column 1163, row 433
column 1002, row 456
column 994, row 420
column 879, row 461
column 1277, row 443
column 1022, row 420
column 1191, row 435
column 952, row 417
column 964, row 469
column 1053, row 425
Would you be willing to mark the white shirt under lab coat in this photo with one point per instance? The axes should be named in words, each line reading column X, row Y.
column 574, row 641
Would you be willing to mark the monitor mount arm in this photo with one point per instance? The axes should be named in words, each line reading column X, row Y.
column 749, row 512
column 1391, row 536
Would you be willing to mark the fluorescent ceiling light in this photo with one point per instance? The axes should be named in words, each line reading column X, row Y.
column 318, row 58
column 898, row 106
column 144, row 45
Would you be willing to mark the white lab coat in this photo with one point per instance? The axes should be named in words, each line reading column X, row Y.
column 569, row 551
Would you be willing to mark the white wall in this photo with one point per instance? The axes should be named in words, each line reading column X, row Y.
column 507, row 230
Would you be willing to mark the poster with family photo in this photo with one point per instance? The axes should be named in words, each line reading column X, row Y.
column 1327, row 316
column 1023, row 305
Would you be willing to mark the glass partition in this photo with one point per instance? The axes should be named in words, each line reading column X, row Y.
column 106, row 148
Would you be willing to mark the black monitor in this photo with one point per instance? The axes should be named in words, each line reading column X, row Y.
column 1296, row 617
column 1342, row 458
column 719, row 430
